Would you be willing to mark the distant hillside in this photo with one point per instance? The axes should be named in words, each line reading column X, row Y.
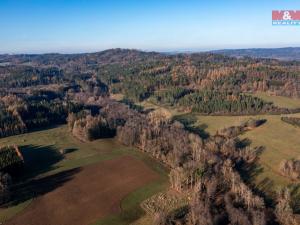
column 109, row 56
column 274, row 53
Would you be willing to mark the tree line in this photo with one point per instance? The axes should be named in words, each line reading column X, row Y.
column 10, row 160
column 216, row 102
column 86, row 127
column 18, row 115
column 291, row 120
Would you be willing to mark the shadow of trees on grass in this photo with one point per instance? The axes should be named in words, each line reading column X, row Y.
column 24, row 191
column 189, row 121
column 250, row 171
column 28, row 182
column 38, row 160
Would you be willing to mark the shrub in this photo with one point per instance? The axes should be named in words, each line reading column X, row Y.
column 9, row 157
column 290, row 168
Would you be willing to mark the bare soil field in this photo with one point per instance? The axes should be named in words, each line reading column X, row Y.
column 88, row 194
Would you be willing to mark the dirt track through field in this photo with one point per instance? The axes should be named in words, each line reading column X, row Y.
column 92, row 193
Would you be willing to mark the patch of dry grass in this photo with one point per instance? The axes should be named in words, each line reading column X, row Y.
column 280, row 101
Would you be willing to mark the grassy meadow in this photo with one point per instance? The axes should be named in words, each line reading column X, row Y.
column 280, row 101
column 41, row 150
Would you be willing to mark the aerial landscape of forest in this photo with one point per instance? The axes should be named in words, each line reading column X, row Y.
column 121, row 136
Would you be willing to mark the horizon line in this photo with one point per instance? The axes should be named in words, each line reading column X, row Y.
column 179, row 50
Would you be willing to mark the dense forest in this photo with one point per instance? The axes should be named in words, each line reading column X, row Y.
column 206, row 83
column 215, row 102
column 18, row 115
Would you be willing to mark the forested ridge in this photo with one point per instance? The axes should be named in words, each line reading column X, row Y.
column 275, row 53
column 141, row 75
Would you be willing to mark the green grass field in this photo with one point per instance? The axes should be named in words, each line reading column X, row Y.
column 42, row 148
column 279, row 101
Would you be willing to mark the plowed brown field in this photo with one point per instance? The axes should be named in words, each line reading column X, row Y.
column 93, row 192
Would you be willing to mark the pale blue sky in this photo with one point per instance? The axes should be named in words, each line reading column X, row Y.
column 38, row 26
